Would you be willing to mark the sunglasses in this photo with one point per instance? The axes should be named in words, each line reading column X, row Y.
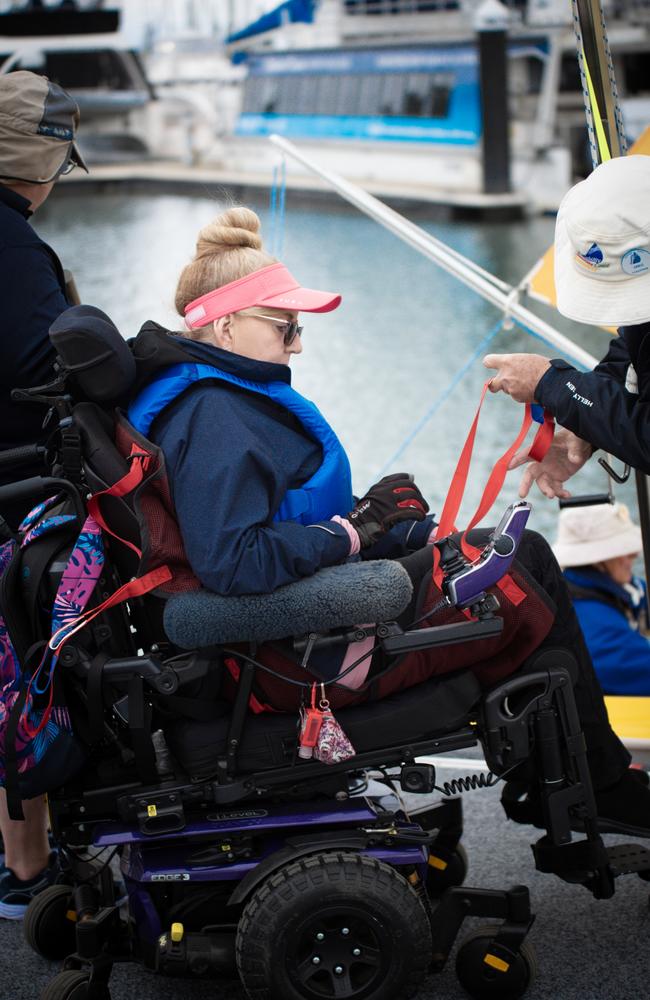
column 290, row 329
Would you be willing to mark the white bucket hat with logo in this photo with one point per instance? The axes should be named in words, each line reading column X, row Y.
column 588, row 535
column 602, row 245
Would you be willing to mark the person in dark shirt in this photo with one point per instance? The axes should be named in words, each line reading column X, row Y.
column 38, row 122
column 602, row 277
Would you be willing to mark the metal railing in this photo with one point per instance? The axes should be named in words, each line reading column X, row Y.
column 488, row 286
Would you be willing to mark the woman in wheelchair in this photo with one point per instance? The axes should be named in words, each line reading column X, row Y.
column 261, row 489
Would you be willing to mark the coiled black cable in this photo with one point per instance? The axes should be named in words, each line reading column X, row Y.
column 469, row 783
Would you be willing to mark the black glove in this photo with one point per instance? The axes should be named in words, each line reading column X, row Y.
column 394, row 498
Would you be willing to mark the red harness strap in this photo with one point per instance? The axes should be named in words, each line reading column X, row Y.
column 539, row 447
column 127, row 484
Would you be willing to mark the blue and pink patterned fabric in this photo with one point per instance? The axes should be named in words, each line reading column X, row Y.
column 45, row 724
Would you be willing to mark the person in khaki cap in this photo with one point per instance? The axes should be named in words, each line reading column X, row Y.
column 602, row 277
column 596, row 547
column 38, row 124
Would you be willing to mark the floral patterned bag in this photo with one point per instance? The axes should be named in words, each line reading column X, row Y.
column 38, row 749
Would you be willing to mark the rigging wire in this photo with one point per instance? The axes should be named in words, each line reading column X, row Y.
column 440, row 399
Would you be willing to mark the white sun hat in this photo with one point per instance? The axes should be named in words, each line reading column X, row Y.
column 588, row 535
column 602, row 245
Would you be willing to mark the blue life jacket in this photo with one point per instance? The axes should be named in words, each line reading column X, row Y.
column 326, row 493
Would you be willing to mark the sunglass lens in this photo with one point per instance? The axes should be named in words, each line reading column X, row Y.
column 291, row 332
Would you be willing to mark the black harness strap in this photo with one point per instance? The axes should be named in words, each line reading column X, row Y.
column 94, row 696
column 140, row 731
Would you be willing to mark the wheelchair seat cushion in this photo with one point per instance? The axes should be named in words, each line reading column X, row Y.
column 429, row 709
column 354, row 593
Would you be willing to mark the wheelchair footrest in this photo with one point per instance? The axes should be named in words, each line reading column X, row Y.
column 626, row 859
column 584, row 862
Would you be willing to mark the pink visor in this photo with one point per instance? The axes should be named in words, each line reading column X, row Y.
column 272, row 286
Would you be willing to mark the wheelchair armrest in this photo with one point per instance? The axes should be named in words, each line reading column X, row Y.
column 159, row 676
column 396, row 642
column 334, row 597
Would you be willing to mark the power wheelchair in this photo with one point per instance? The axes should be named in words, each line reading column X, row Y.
column 237, row 856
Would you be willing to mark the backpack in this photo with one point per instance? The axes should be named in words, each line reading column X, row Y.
column 38, row 748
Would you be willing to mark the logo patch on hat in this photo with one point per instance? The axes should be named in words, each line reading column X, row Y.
column 56, row 132
column 636, row 262
column 592, row 258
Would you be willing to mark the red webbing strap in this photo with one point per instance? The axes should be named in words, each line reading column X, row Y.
column 137, row 587
column 454, row 498
column 495, row 481
column 543, row 439
column 446, row 526
column 255, row 705
column 134, row 588
column 139, row 462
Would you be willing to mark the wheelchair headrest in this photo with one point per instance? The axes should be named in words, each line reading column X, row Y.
column 94, row 352
column 336, row 596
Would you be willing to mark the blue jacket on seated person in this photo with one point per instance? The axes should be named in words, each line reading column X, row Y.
column 231, row 457
column 610, row 616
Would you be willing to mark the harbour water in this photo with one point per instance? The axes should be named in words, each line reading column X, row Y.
column 379, row 363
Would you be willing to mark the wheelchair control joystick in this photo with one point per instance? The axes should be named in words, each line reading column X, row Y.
column 465, row 584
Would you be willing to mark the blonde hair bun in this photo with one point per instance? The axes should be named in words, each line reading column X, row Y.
column 228, row 248
column 238, row 227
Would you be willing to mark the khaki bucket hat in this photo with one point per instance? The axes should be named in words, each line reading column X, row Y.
column 588, row 535
column 38, row 122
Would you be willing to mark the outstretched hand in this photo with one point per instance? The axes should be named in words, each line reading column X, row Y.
column 517, row 374
column 566, row 455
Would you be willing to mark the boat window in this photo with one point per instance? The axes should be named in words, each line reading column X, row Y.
column 88, row 70
column 369, row 94
column 303, row 98
column 393, row 87
column 399, row 6
column 439, row 97
column 525, row 75
column 411, row 95
column 346, row 102
column 328, row 94
column 268, row 95
column 570, row 74
column 636, row 73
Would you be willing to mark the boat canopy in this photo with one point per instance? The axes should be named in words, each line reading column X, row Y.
column 285, row 13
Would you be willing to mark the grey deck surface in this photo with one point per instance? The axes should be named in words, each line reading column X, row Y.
column 586, row 949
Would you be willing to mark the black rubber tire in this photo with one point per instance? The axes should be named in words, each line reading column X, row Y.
column 484, row 982
column 388, row 932
column 69, row 985
column 47, row 929
column 437, row 882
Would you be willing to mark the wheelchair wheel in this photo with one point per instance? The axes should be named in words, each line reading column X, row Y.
column 446, row 871
column 47, row 926
column 334, row 925
column 69, row 985
column 491, row 977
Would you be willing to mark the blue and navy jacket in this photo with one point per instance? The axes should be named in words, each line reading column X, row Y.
column 240, row 445
column 607, row 614
column 605, row 406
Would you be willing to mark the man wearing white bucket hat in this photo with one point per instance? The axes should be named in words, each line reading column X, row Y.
column 596, row 547
column 602, row 277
